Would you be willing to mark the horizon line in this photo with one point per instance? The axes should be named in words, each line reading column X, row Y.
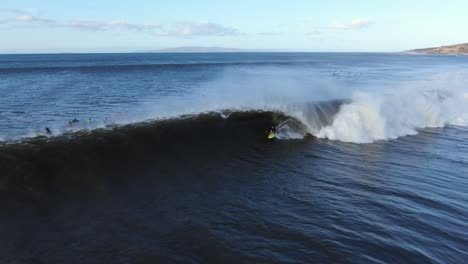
column 190, row 52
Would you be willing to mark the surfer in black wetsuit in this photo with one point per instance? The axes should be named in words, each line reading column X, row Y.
column 74, row 121
column 48, row 132
column 271, row 130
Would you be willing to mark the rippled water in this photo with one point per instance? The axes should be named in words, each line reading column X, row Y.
column 173, row 166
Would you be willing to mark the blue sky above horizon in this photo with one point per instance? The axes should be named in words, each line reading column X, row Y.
column 34, row 26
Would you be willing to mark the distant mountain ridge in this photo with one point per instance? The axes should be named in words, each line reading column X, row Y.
column 200, row 49
column 451, row 49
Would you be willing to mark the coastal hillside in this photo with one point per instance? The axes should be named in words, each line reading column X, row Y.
column 452, row 49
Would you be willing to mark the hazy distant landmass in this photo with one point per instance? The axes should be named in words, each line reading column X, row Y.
column 452, row 49
column 198, row 49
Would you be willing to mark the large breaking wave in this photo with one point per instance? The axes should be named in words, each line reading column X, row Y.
column 322, row 108
column 165, row 133
column 328, row 110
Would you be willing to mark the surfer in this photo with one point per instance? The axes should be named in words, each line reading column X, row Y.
column 74, row 121
column 48, row 132
column 271, row 132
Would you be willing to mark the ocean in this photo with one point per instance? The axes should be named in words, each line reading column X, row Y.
column 167, row 159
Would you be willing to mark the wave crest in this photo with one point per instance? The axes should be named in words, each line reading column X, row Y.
column 382, row 116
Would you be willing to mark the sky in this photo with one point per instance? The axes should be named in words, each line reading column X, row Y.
column 54, row 26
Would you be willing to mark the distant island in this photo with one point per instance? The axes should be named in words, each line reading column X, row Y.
column 199, row 49
column 452, row 49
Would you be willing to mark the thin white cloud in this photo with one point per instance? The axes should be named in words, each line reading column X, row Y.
column 34, row 19
column 108, row 25
column 20, row 18
column 359, row 23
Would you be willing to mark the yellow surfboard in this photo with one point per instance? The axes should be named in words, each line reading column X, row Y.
column 271, row 135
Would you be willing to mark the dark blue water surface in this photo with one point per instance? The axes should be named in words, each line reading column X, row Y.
column 169, row 163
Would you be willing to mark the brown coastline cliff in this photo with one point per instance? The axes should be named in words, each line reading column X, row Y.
column 461, row 49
